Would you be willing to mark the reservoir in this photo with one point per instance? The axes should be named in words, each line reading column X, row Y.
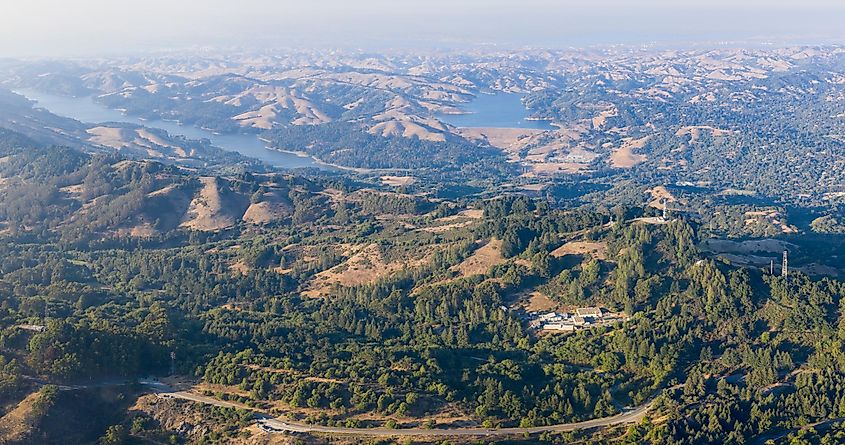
column 85, row 109
column 499, row 110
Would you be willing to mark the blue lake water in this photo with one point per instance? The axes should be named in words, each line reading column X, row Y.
column 85, row 109
column 499, row 110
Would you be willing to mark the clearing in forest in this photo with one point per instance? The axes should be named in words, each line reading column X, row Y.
column 659, row 196
column 594, row 249
column 447, row 223
column 365, row 266
column 536, row 301
column 214, row 208
column 624, row 156
column 486, row 256
column 398, row 181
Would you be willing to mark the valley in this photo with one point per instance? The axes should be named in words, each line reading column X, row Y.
column 533, row 246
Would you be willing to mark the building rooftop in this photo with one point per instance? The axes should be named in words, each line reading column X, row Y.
column 588, row 312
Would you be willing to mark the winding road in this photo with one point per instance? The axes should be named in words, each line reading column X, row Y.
column 270, row 424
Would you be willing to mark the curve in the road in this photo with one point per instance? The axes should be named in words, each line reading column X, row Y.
column 270, row 424
column 632, row 416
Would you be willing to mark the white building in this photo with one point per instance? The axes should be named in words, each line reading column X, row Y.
column 562, row 326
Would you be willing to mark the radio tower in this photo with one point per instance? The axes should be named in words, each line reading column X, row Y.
column 784, row 272
column 665, row 209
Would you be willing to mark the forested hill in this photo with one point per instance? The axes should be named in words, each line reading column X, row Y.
column 58, row 193
column 334, row 304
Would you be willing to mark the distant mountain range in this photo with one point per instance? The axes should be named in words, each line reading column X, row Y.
column 765, row 122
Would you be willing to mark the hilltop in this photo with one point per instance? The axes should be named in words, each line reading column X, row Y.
column 440, row 278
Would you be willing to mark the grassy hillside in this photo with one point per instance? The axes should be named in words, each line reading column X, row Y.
column 337, row 301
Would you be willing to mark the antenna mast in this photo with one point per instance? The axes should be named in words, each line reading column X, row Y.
column 785, row 270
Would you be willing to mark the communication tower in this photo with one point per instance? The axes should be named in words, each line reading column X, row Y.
column 784, row 272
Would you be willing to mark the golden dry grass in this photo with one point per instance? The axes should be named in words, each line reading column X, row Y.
column 695, row 131
column 17, row 424
column 398, row 181
column 109, row 137
column 272, row 207
column 209, row 211
column 508, row 139
column 407, row 129
column 486, row 256
column 538, row 302
column 624, row 156
column 463, row 219
column 366, row 265
column 239, row 267
column 596, row 250
column 546, row 168
column 600, row 119
column 659, row 195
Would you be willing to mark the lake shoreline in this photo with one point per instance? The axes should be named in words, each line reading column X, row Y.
column 496, row 110
column 88, row 111
column 360, row 170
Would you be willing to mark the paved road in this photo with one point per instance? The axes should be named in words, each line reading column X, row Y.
column 63, row 387
column 270, row 424
column 629, row 417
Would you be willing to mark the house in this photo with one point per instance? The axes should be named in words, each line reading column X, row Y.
column 32, row 327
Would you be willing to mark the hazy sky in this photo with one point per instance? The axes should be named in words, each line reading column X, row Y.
column 91, row 27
